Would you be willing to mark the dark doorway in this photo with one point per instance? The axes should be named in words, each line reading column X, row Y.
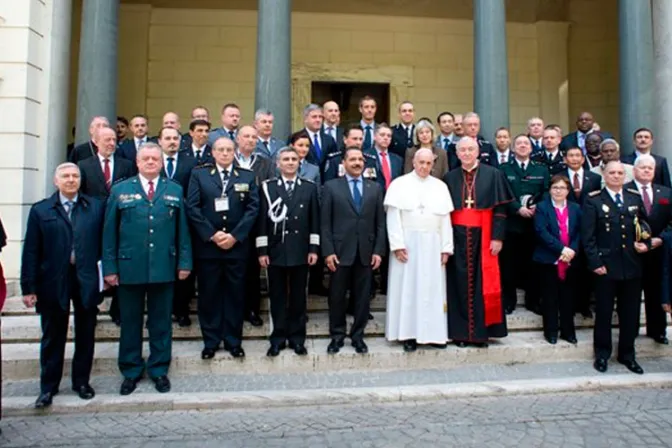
column 348, row 94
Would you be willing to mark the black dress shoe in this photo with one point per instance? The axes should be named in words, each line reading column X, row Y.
column 480, row 344
column 461, row 344
column 162, row 384
column 254, row 319
column 236, row 352
column 208, row 353
column 360, row 347
column 44, row 400
column 632, row 366
column 299, row 349
column 552, row 340
column 600, row 365
column 661, row 339
column 85, row 392
column 370, row 316
column 184, row 321
column 274, row 349
column 571, row 340
column 410, row 345
column 128, row 386
column 334, row 346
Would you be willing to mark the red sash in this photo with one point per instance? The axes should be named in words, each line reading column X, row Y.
column 492, row 288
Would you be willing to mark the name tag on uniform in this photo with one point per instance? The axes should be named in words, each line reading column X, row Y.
column 222, row 204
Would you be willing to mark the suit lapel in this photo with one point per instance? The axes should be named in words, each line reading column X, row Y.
column 216, row 179
column 346, row 190
column 99, row 169
column 232, row 180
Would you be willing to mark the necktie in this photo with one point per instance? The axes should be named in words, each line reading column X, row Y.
column 356, row 195
column 646, row 199
column 367, row 137
column 150, row 190
column 502, row 159
column 619, row 202
column 266, row 146
column 290, row 190
column 446, row 144
column 231, row 135
column 137, row 144
column 522, row 166
column 170, row 169
column 107, row 174
column 225, row 179
column 582, row 141
column 386, row 169
column 316, row 144
column 576, row 184
column 330, row 131
column 198, row 155
column 69, row 205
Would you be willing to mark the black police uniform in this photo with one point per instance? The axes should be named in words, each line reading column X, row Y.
column 289, row 230
column 555, row 164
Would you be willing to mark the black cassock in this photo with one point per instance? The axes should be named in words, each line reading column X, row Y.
column 487, row 187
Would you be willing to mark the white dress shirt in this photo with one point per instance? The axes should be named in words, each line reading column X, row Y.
column 551, row 155
column 505, row 154
column 614, row 193
column 333, row 132
column 520, row 163
column 649, row 190
column 165, row 163
column 285, row 179
column 313, row 136
column 140, row 141
column 571, row 173
column 195, row 148
column 145, row 183
column 101, row 159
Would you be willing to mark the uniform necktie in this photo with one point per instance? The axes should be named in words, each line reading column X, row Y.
column 290, row 189
column 107, row 174
column 646, row 199
column 231, row 135
column 198, row 155
column 386, row 169
column 266, row 146
column 619, row 202
column 170, row 169
column 446, row 144
column 367, row 137
column 150, row 190
column 522, row 166
column 502, row 159
column 316, row 144
column 225, row 179
column 356, row 195
column 576, row 184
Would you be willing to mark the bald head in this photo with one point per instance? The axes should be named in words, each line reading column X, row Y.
column 332, row 113
column 171, row 120
column 247, row 140
column 105, row 140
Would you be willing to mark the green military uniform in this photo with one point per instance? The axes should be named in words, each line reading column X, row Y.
column 145, row 243
column 528, row 186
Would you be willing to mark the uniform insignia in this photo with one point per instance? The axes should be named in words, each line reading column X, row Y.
column 168, row 197
column 241, row 169
column 632, row 208
column 370, row 173
column 272, row 179
column 137, row 196
column 205, row 165
column 594, row 193
column 212, row 171
column 241, row 187
column 605, row 208
column 633, row 190
column 235, row 173
column 341, row 170
column 304, row 179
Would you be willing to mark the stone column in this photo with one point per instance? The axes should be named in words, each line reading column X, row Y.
column 491, row 72
column 635, row 69
column 553, row 72
column 662, row 45
column 97, row 81
column 273, row 84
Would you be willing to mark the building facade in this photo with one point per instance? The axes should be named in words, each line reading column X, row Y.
column 64, row 61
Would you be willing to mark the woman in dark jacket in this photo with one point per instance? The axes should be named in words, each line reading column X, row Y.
column 557, row 224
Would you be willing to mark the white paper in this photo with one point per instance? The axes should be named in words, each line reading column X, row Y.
column 101, row 282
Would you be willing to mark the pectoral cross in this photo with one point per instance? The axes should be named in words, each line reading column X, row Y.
column 469, row 202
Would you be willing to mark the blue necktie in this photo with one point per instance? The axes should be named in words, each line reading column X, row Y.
column 356, row 195
column 446, row 144
column 318, row 149
column 618, row 200
column 170, row 169
column 367, row 137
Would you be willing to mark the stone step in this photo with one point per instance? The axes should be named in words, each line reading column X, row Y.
column 22, row 329
column 21, row 361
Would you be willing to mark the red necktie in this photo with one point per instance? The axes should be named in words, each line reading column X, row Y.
column 107, row 174
column 150, row 190
column 386, row 169
column 646, row 199
column 576, row 185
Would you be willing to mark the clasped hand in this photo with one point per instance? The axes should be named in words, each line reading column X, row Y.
column 223, row 240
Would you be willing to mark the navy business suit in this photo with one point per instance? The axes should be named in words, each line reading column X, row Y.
column 557, row 294
column 93, row 179
column 47, row 272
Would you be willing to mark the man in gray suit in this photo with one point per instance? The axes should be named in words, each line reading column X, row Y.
column 267, row 145
column 353, row 241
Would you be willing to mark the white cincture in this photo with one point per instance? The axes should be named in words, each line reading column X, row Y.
column 277, row 211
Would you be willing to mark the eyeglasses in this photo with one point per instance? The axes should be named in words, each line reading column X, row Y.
column 558, row 187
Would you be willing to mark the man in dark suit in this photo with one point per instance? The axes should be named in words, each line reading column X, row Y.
column 535, row 132
column 263, row 169
column 446, row 124
column 585, row 124
column 59, row 264
column 321, row 144
column 100, row 172
column 267, row 145
column 332, row 121
column 643, row 138
column 402, row 133
column 472, row 126
column 222, row 204
column 288, row 242
column 503, row 151
column 177, row 166
column 608, row 233
column 199, row 149
column 353, row 241
column 550, row 155
column 583, row 182
column 139, row 129
column 146, row 248
column 88, row 149
column 657, row 205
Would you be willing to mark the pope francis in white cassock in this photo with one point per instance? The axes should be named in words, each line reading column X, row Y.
column 418, row 210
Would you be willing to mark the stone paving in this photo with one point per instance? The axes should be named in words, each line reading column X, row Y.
column 347, row 379
column 625, row 418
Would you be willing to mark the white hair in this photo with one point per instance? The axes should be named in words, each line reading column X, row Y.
column 466, row 141
column 261, row 112
column 613, row 142
column 64, row 166
column 148, row 145
column 645, row 158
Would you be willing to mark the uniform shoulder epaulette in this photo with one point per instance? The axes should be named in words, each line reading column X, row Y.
column 118, row 181
column 633, row 191
column 369, row 155
column 205, row 165
column 243, row 169
column 334, row 154
column 268, row 181
column 305, row 179
column 594, row 193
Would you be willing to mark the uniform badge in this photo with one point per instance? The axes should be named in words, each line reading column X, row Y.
column 370, row 173
column 137, row 196
column 632, row 208
column 241, row 187
column 341, row 170
column 605, row 208
column 212, row 171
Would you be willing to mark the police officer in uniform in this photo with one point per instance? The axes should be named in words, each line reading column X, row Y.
column 551, row 156
column 611, row 220
column 288, row 242
column 146, row 245
column 222, row 205
column 529, row 181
